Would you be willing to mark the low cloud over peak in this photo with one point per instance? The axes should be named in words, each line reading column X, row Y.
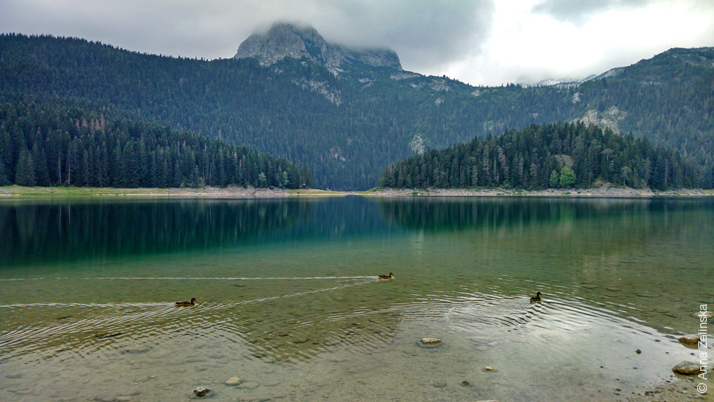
column 476, row 41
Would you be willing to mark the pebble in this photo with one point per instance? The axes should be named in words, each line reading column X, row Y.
column 439, row 384
column 430, row 342
column 233, row 381
column 489, row 369
column 143, row 379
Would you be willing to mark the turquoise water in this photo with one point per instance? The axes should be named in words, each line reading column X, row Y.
column 289, row 301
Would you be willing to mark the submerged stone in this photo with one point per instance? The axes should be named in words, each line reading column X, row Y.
column 201, row 391
column 686, row 368
column 233, row 381
column 430, row 342
column 691, row 339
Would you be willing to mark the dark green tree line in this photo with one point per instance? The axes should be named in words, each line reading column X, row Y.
column 543, row 156
column 348, row 128
column 51, row 146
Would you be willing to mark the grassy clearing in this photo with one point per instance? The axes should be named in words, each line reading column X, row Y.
column 71, row 192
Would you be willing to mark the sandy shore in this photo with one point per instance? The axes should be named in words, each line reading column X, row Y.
column 604, row 192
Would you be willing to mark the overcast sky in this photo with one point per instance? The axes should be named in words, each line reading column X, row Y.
column 481, row 42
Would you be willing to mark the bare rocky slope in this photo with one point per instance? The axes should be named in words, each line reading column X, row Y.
column 297, row 42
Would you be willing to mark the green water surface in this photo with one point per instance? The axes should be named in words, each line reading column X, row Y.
column 289, row 300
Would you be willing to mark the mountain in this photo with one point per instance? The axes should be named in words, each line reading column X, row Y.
column 347, row 118
column 297, row 42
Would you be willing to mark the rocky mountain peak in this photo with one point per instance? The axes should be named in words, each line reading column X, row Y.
column 290, row 40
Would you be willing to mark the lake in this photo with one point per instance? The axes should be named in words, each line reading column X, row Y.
column 289, row 301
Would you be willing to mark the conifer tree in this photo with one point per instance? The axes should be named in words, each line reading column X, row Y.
column 502, row 160
column 73, row 147
column 554, row 179
column 25, row 175
column 3, row 178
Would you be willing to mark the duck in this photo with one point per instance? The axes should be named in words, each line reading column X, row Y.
column 536, row 299
column 390, row 276
column 186, row 303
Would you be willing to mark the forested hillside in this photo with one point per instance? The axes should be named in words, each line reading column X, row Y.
column 348, row 127
column 42, row 145
column 549, row 156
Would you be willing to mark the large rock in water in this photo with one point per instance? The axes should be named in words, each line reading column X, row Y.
column 288, row 40
column 691, row 339
column 686, row 368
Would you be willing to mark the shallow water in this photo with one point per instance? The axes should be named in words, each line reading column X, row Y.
column 288, row 298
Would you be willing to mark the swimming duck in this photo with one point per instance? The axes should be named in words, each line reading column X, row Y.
column 390, row 276
column 536, row 299
column 186, row 303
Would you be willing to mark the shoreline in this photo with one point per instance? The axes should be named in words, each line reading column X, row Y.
column 597, row 192
column 17, row 192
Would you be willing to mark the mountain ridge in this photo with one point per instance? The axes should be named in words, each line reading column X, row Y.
column 295, row 41
column 348, row 127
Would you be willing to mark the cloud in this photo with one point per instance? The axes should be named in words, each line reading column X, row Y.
column 425, row 33
column 580, row 11
column 477, row 41
column 527, row 46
